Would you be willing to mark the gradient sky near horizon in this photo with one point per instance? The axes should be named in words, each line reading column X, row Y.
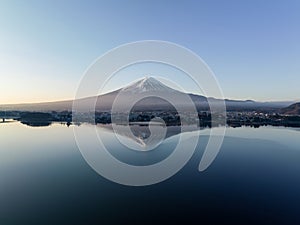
column 252, row 46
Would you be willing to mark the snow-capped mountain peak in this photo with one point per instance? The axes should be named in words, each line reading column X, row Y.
column 147, row 84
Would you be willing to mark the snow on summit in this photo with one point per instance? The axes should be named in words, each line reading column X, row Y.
column 147, row 84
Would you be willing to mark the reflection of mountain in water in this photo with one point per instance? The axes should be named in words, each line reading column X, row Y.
column 147, row 135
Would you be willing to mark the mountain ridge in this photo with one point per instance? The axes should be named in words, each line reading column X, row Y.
column 147, row 84
column 293, row 109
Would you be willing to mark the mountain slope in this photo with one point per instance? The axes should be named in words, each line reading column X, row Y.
column 146, row 86
column 293, row 109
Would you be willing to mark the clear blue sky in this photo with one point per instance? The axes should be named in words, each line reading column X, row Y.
column 253, row 47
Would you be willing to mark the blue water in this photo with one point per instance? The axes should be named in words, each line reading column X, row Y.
column 255, row 179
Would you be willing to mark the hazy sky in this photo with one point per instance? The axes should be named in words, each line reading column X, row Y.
column 252, row 46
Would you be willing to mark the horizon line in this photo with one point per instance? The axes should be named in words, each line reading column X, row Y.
column 70, row 99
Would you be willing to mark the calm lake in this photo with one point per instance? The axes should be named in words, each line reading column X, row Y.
column 255, row 179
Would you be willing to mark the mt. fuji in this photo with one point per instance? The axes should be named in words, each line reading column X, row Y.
column 141, row 87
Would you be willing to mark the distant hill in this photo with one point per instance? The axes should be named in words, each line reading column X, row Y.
column 150, row 85
column 293, row 109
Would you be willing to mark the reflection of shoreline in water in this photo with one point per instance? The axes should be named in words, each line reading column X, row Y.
column 37, row 123
column 44, row 123
column 7, row 121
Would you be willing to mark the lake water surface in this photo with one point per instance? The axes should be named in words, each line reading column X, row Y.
column 255, row 179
